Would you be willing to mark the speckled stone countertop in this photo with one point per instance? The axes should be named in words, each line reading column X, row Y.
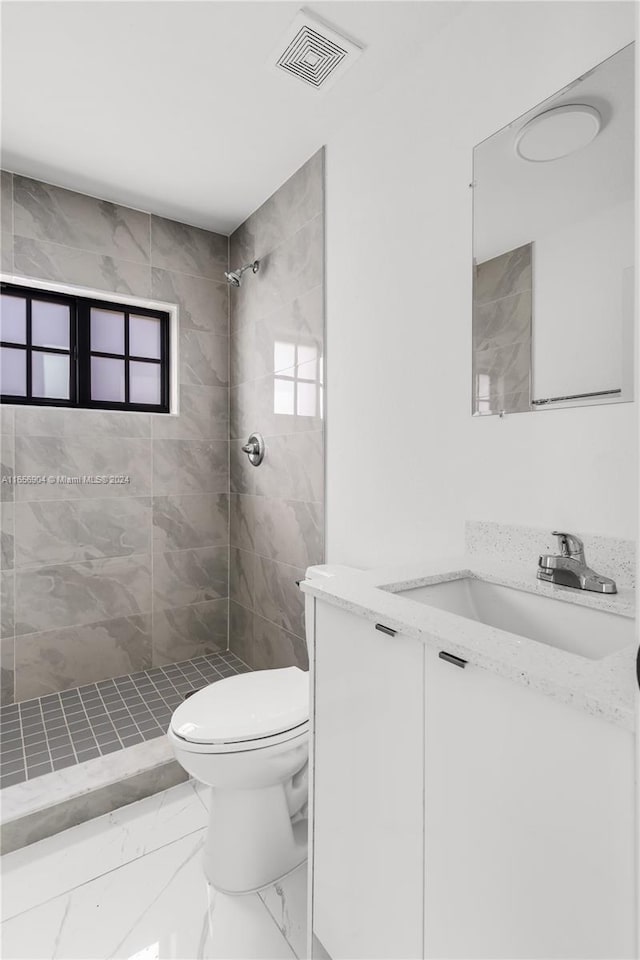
column 605, row 688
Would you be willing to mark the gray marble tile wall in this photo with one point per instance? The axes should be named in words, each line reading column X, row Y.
column 502, row 332
column 99, row 583
column 276, row 373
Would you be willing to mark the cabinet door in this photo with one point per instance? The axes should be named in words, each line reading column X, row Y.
column 368, row 790
column 529, row 844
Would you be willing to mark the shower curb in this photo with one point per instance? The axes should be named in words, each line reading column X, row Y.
column 46, row 805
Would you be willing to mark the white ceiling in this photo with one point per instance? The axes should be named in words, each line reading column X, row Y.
column 171, row 106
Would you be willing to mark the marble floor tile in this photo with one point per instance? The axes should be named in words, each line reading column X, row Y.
column 74, row 857
column 286, row 901
column 153, row 907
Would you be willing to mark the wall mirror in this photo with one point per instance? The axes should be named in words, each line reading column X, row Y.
column 553, row 250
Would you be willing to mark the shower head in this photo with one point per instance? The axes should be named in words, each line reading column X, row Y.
column 234, row 277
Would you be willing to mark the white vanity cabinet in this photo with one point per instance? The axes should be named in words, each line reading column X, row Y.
column 529, row 823
column 368, row 757
column 457, row 814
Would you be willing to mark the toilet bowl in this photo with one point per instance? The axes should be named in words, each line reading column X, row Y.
column 246, row 737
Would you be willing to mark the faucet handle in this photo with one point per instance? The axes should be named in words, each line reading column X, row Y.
column 570, row 545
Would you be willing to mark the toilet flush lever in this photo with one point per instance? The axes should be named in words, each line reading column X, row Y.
column 254, row 449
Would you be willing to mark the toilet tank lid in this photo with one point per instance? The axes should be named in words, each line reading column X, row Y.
column 245, row 707
column 323, row 570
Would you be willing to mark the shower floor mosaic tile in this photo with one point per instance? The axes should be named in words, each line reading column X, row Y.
column 61, row 729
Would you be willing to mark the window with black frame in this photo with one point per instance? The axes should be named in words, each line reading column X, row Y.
column 61, row 350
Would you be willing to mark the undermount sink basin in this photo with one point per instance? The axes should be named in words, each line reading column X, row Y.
column 567, row 626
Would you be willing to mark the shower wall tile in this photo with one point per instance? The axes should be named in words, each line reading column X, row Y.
column 277, row 596
column 204, row 415
column 243, row 411
column 190, row 631
column 256, row 347
column 241, row 630
column 180, row 247
column 273, row 646
column 6, row 202
column 290, row 531
column 7, row 466
column 277, row 339
column 203, row 304
column 7, row 421
column 299, row 322
column 287, row 272
column 86, row 457
column 190, row 466
column 45, row 212
column 297, row 391
column 204, row 359
column 241, row 576
column 190, row 576
column 242, row 522
column 7, row 671
column 72, row 594
column 69, row 531
column 6, row 252
column 86, row 582
column 298, row 200
column 293, row 468
column 261, row 644
column 58, row 659
column 7, row 535
column 58, row 422
column 190, row 521
column 44, row 260
column 7, row 603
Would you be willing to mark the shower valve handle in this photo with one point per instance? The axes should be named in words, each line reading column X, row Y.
column 254, row 449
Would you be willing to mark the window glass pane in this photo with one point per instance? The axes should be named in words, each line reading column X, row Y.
column 107, row 331
column 284, row 355
column 107, row 379
column 13, row 319
column 49, row 324
column 306, row 399
column 50, row 375
column 144, row 382
column 144, row 337
column 13, row 372
column 282, row 396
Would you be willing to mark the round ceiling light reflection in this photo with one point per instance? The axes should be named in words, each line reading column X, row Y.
column 558, row 132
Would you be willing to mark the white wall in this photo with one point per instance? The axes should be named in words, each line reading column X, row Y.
column 406, row 462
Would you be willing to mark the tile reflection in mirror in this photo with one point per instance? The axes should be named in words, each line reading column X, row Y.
column 502, row 333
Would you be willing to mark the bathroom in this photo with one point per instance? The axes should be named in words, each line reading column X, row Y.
column 279, row 480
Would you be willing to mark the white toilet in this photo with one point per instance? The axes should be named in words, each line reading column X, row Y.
column 247, row 738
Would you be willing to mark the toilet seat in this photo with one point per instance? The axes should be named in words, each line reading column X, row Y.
column 244, row 712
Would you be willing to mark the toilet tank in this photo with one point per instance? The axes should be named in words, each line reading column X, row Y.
column 320, row 571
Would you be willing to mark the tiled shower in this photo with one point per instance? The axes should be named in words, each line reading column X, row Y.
column 96, row 587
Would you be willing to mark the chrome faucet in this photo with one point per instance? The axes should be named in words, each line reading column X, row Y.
column 569, row 568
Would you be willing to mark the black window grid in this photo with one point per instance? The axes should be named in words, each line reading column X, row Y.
column 80, row 352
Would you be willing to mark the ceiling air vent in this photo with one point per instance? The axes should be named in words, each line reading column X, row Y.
column 315, row 52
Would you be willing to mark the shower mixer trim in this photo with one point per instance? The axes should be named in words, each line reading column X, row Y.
column 254, row 449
